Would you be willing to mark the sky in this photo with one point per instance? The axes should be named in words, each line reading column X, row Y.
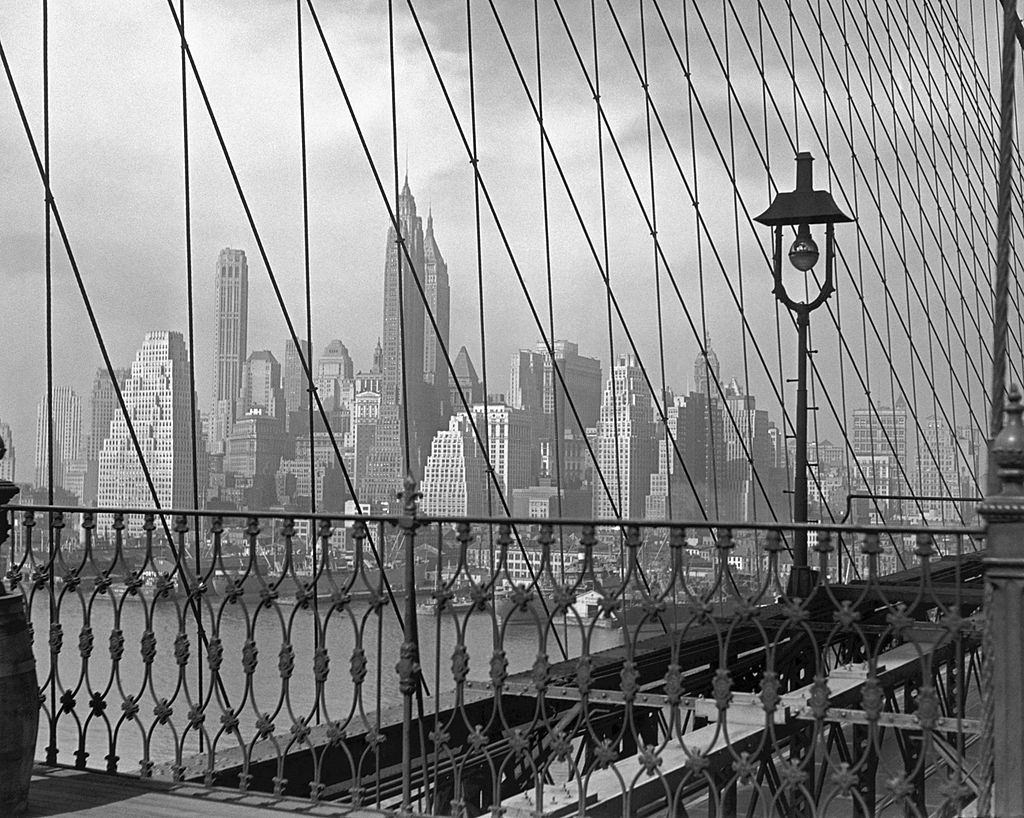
column 117, row 179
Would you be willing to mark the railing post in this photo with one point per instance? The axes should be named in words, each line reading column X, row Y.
column 1004, row 578
column 408, row 666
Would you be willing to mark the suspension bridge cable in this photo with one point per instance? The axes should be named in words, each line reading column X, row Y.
column 304, row 162
column 903, row 320
column 718, row 146
column 511, row 255
column 498, row 225
column 193, row 412
column 868, row 247
column 48, row 232
column 303, row 358
column 612, row 363
column 639, row 200
column 963, row 296
column 400, row 243
column 883, row 274
column 884, row 351
column 305, row 247
column 557, row 435
column 898, row 191
column 704, row 226
column 645, row 84
column 643, row 212
column 934, row 191
column 945, row 102
column 94, row 324
column 971, row 201
column 923, row 148
column 429, row 312
column 703, row 223
column 782, row 443
column 710, row 455
column 474, row 161
column 749, row 411
column 683, row 65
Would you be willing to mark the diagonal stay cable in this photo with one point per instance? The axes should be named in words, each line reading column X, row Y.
column 430, row 314
column 87, row 303
column 303, row 358
column 512, row 258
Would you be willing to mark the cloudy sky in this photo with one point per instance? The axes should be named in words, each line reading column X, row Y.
column 116, row 165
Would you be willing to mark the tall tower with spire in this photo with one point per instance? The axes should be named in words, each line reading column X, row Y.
column 404, row 390
column 435, row 284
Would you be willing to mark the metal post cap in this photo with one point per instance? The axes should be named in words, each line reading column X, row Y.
column 1008, row 446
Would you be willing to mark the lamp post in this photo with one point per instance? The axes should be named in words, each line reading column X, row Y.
column 801, row 208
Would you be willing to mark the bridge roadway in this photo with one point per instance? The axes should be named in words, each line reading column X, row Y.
column 949, row 581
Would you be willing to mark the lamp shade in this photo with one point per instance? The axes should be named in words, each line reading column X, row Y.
column 803, row 205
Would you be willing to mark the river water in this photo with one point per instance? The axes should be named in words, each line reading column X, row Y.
column 265, row 690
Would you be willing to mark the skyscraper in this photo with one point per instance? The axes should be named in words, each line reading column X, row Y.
column 511, row 446
column 335, row 376
column 626, row 443
column 880, row 449
column 466, row 378
column 67, row 433
column 232, row 313
column 102, row 409
column 409, row 397
column 706, row 370
column 582, row 377
column 455, row 478
column 157, row 396
column 296, row 396
column 7, row 465
column 261, row 386
column 435, row 285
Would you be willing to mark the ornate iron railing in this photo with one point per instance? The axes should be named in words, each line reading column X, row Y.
column 549, row 667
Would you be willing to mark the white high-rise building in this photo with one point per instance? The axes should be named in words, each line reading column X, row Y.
column 626, row 443
column 455, row 480
column 511, row 445
column 67, row 434
column 157, row 396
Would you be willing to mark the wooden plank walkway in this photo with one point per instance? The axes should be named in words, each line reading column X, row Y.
column 66, row 791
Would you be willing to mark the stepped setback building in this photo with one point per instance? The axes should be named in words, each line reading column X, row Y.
column 157, row 396
column 412, row 397
column 231, row 322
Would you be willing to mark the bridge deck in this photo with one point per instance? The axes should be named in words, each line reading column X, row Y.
column 65, row 791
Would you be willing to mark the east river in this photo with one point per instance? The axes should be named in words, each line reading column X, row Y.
column 282, row 683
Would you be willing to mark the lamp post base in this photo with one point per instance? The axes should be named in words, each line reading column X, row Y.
column 802, row 579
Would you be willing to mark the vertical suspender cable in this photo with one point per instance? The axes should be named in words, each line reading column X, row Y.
column 313, row 538
column 51, row 751
column 555, row 430
column 400, row 242
column 196, row 521
column 704, row 343
column 657, row 260
column 474, row 161
column 625, row 512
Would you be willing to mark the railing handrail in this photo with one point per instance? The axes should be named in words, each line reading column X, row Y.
column 427, row 519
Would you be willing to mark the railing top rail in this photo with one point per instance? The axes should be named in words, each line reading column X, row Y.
column 425, row 519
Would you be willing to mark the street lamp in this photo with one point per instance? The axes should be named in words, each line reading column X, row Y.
column 800, row 209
